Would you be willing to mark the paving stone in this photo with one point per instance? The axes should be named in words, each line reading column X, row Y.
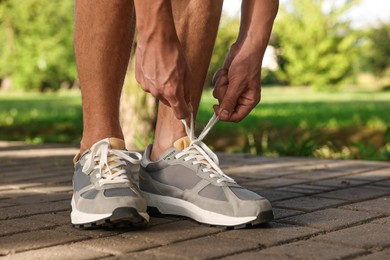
column 339, row 183
column 275, row 195
column 90, row 233
column 273, row 183
column 309, row 203
column 159, row 220
column 377, row 175
column 174, row 232
column 38, row 198
column 258, row 171
column 3, row 204
column 355, row 193
column 356, row 166
column 283, row 213
column 383, row 221
column 14, row 193
column 256, row 255
column 380, row 205
column 385, row 254
column 147, row 255
column 330, row 219
column 54, row 188
column 303, row 190
column 310, row 249
column 117, row 244
column 317, row 175
column 382, row 183
column 365, row 236
column 32, row 209
column 62, row 252
column 154, row 236
column 205, row 247
column 307, row 186
column 22, row 224
column 54, row 218
column 270, row 234
column 34, row 239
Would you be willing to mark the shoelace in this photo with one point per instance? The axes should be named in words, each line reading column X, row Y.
column 200, row 153
column 109, row 163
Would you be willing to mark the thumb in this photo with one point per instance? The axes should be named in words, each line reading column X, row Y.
column 228, row 104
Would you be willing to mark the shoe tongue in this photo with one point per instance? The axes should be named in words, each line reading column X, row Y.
column 182, row 143
column 178, row 146
column 116, row 143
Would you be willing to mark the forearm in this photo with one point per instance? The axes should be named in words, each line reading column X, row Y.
column 154, row 21
column 257, row 18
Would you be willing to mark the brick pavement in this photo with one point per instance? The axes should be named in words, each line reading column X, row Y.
column 324, row 209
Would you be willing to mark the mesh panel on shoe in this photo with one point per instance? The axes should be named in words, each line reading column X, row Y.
column 213, row 192
column 80, row 179
column 177, row 176
column 119, row 192
column 90, row 194
column 245, row 194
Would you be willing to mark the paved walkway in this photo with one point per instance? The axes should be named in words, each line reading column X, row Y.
column 325, row 209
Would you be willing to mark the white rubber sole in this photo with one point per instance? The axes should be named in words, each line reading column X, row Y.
column 174, row 206
column 80, row 218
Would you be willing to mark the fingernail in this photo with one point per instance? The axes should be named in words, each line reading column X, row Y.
column 224, row 113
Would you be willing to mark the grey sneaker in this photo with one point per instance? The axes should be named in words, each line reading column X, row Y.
column 187, row 181
column 104, row 189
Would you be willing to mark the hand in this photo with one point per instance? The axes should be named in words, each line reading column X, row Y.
column 237, row 84
column 160, row 69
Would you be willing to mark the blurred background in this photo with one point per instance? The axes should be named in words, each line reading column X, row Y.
column 325, row 78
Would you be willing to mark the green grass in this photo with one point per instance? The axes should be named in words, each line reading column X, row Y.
column 37, row 118
column 302, row 122
column 288, row 121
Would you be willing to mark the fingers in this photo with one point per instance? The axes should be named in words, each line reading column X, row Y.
column 218, row 74
column 177, row 101
column 243, row 106
column 229, row 101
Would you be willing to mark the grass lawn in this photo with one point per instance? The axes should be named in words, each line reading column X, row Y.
column 289, row 121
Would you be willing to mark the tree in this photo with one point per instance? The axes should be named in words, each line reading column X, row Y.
column 315, row 43
column 36, row 49
column 227, row 34
column 377, row 50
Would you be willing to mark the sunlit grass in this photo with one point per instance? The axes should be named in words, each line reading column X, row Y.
column 305, row 108
column 288, row 121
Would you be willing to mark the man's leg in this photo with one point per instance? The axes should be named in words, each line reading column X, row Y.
column 103, row 38
column 187, row 180
column 196, row 23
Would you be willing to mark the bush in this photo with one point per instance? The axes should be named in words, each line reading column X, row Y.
column 38, row 37
column 315, row 47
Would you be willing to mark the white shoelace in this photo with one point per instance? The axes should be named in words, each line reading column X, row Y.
column 200, row 153
column 108, row 163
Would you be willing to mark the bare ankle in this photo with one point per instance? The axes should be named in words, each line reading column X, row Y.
column 155, row 153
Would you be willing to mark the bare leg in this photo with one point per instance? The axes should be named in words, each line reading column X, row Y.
column 196, row 23
column 103, row 37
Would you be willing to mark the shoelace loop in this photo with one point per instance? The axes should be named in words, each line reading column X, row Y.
column 109, row 163
column 200, row 153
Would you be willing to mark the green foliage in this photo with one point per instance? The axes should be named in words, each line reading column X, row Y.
column 36, row 38
column 227, row 34
column 316, row 46
column 377, row 51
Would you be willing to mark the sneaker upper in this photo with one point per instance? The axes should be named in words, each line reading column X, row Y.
column 189, row 171
column 104, row 178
